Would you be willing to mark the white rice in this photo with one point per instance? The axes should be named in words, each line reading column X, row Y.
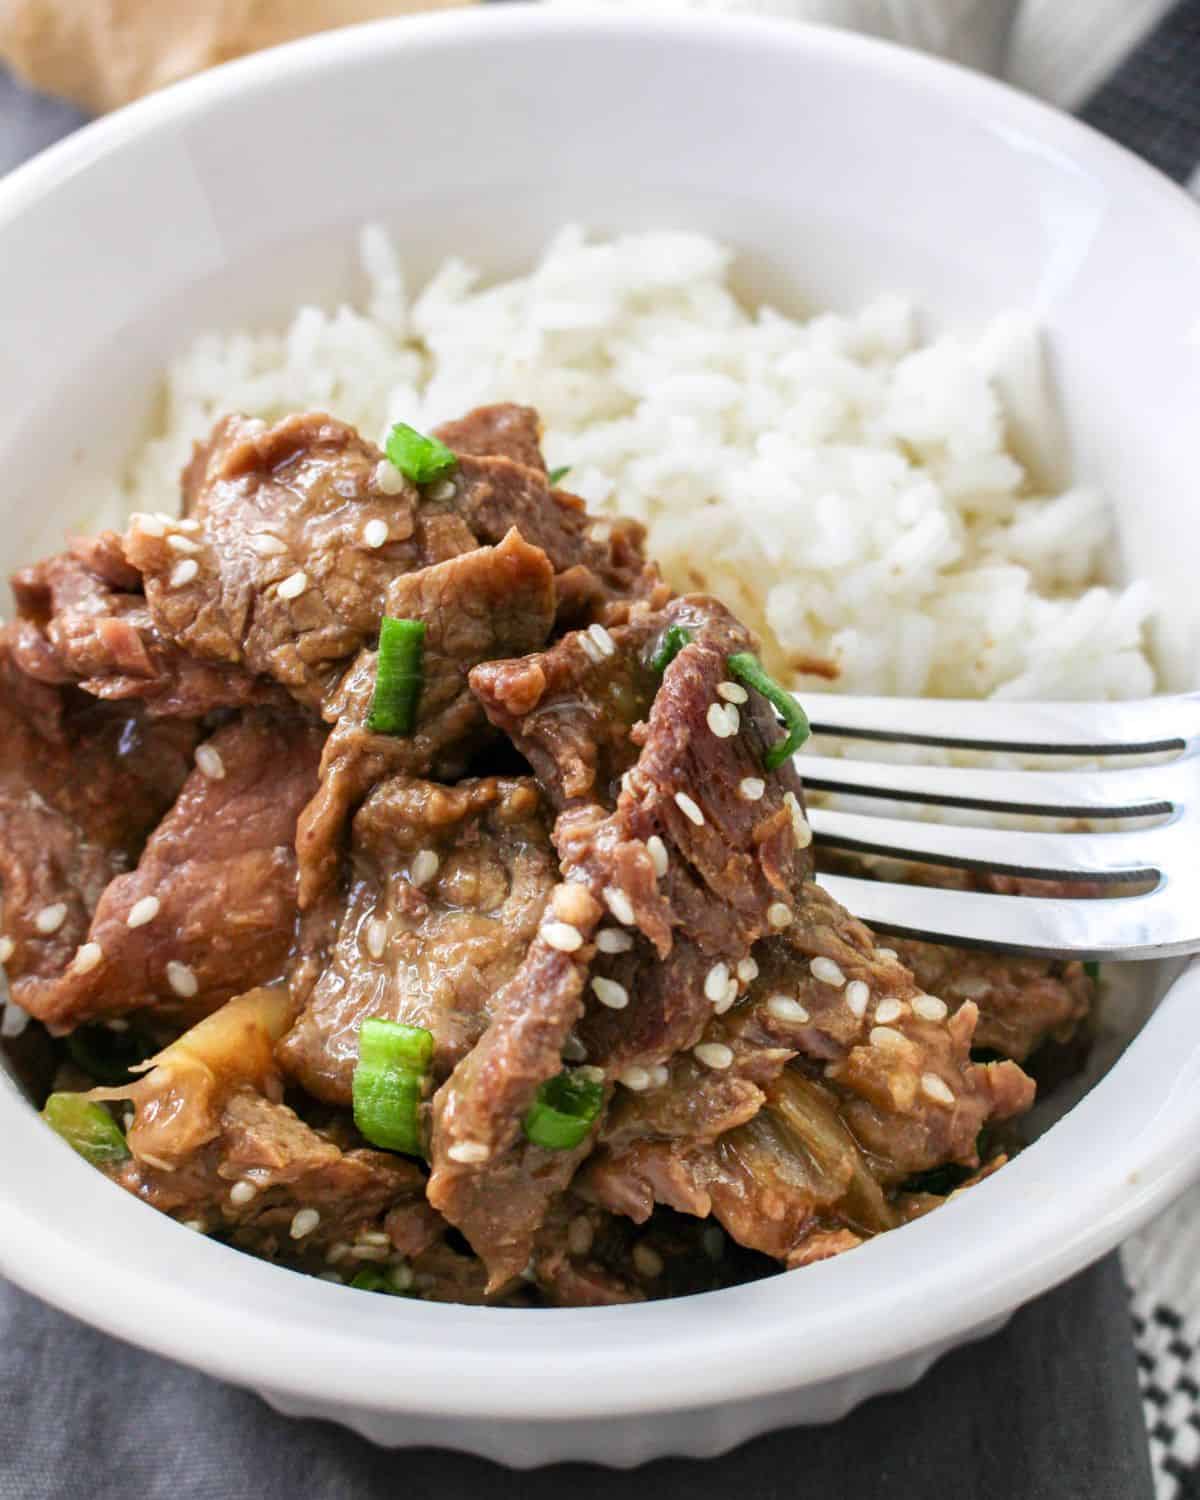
column 854, row 493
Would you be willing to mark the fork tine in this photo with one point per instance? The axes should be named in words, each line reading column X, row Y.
column 1136, row 728
column 1149, row 926
column 1047, row 856
column 1132, row 792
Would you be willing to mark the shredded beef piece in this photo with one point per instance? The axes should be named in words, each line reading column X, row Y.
column 501, row 431
column 214, row 890
column 499, row 1201
column 82, row 618
column 292, row 1167
column 490, row 602
column 631, row 758
column 433, row 953
column 81, row 785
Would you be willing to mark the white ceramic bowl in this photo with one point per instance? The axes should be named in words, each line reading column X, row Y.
column 839, row 167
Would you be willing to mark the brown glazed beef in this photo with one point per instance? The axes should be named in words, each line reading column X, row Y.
column 211, row 908
column 501, row 431
column 489, row 602
column 81, row 785
column 447, row 888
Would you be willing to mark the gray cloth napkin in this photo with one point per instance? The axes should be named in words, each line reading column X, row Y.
column 1046, row 1410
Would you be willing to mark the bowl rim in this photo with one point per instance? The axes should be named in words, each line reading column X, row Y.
column 486, row 1362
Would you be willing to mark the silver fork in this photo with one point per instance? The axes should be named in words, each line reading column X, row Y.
column 1161, row 921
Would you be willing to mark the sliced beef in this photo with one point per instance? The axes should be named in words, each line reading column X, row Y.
column 211, row 907
column 291, row 1168
column 81, row 785
column 646, row 784
column 487, row 1179
column 500, row 431
column 490, row 602
column 447, row 890
column 287, row 581
column 82, row 618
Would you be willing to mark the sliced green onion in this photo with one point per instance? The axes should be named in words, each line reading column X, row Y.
column 747, row 668
column 108, row 1056
column 556, row 476
column 389, row 1084
column 87, row 1127
column 1092, row 969
column 675, row 638
column 371, row 1279
column 398, row 677
column 564, row 1111
column 419, row 458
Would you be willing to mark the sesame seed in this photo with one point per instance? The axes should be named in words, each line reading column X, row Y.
column 591, row 1075
column 209, row 762
column 364, row 1251
column 183, row 545
column 375, row 532
column 401, row 1276
column 779, row 914
column 164, row 519
column 198, row 1225
column 304, row 1221
column 715, row 982
column 657, row 851
column 660, row 1075
column 184, row 572
column 884, row 1037
column 143, row 911
column 747, row 970
column 784, row 1008
column 930, row 1008
column 336, row 1252
column 858, row 993
column 241, row 1193
column 182, row 980
column 468, row 1152
column 147, row 524
column 563, row 936
column 619, row 904
column 7, row 948
column 267, row 544
column 388, row 478
column 971, row 986
column 377, row 936
column 731, row 993
column 610, row 993
column 635, row 1078
column 573, row 1049
column 424, row 867
column 87, row 957
column 13, row 1020
column 613, row 940
column 887, row 953
column 751, row 788
column 732, row 692
column 605, row 643
column 800, row 828
column 647, row 1262
column 689, row 808
column 827, row 972
column 580, row 1235
column 719, row 723
column 51, row 918
column 293, row 585
column 188, row 523
column 373, row 1237
column 590, row 648
column 600, row 533
column 445, row 489
column 713, row 1055
column 936, row 1088
column 887, row 1011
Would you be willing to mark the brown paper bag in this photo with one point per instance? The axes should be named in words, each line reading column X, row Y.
column 102, row 53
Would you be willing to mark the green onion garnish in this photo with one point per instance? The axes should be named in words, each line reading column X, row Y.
column 1092, row 969
column 87, row 1127
column 398, row 677
column 389, row 1084
column 419, row 458
column 108, row 1056
column 747, row 668
column 371, row 1279
column 675, row 638
column 564, row 1111
column 556, row 476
